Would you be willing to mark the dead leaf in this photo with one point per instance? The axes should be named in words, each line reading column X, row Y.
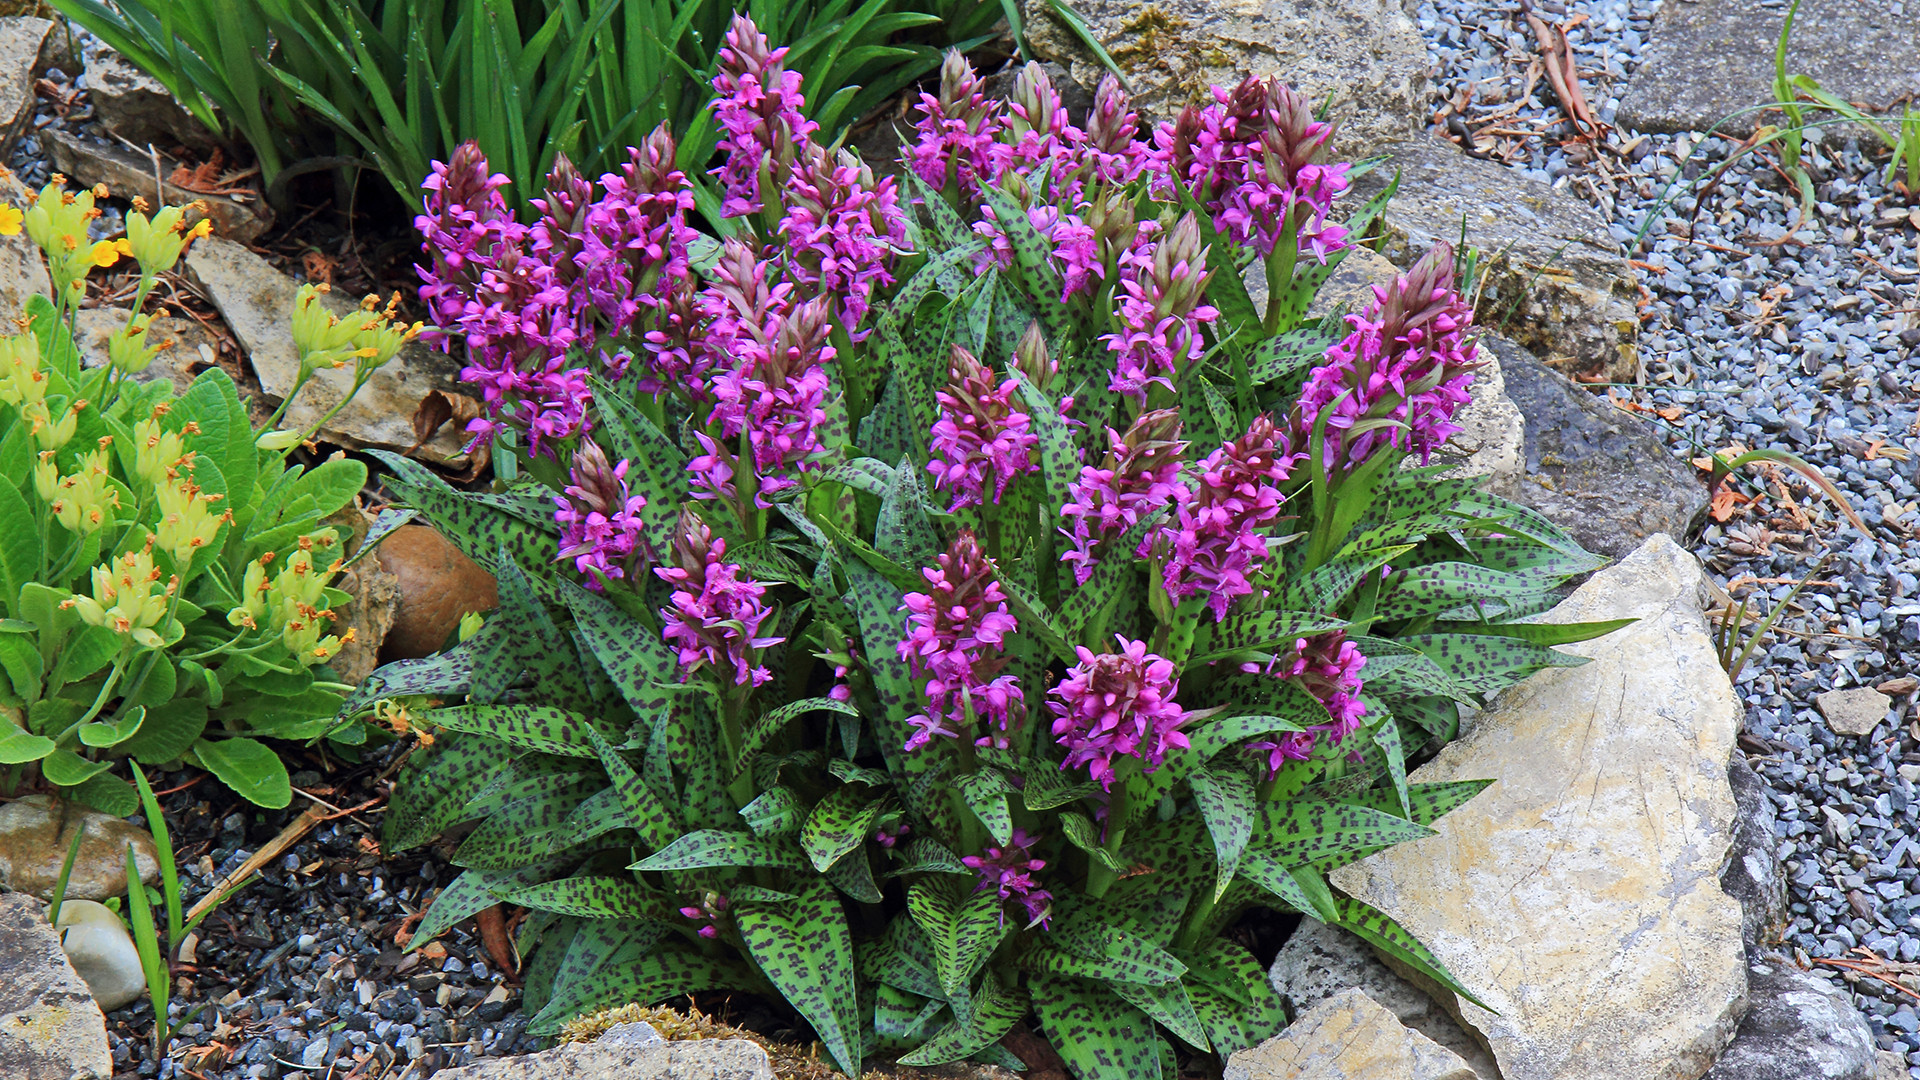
column 318, row 267
column 1563, row 74
column 492, row 924
column 1728, row 502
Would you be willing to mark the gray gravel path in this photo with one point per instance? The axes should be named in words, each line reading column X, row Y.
column 1758, row 334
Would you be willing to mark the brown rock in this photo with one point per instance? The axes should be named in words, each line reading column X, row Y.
column 1854, row 711
column 437, row 584
column 127, row 174
column 35, row 833
column 175, row 363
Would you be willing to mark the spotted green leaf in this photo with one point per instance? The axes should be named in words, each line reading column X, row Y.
column 925, row 855
column 900, row 957
column 903, row 1019
column 530, row 727
column 438, row 781
column 1314, row 831
column 1379, row 930
column 522, row 831
column 993, row 1011
column 838, row 824
column 962, row 927
column 521, row 641
column 634, row 657
column 1260, row 631
column 1037, row 620
column 776, row 811
column 1226, row 803
column 1208, row 740
column 773, row 721
column 1169, row 1006
column 1286, row 354
column 1086, row 608
column 853, row 875
column 1049, row 787
column 1483, row 663
column 986, row 794
column 712, row 847
column 478, row 525
column 594, row 896
column 445, row 674
column 655, row 821
column 636, row 976
column 1442, row 587
column 1122, row 954
column 1236, row 1005
column 806, row 952
column 657, row 468
column 1538, row 633
column 1098, row 1038
column 466, row 896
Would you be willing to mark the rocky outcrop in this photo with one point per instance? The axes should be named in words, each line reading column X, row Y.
column 1365, row 56
column 1754, row 876
column 1798, row 1027
column 628, row 1052
column 35, row 833
column 23, row 39
column 239, row 218
column 50, row 1028
column 23, row 272
column 135, row 106
column 1601, row 474
column 1318, row 962
column 256, row 301
column 1708, row 59
column 1556, row 282
column 174, row 363
column 1347, row 1037
column 1579, row 895
column 434, row 585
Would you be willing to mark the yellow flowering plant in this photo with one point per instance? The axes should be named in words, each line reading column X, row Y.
column 165, row 577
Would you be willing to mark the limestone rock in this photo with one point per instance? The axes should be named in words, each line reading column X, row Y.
column 1579, row 895
column 102, row 951
column 22, row 39
column 1550, row 260
column 1366, row 54
column 1854, row 711
column 133, row 105
column 1710, row 58
column 436, row 583
column 1319, row 961
column 256, row 301
column 628, row 1052
column 175, row 364
column 1599, row 473
column 127, row 174
column 23, row 271
column 1347, row 1037
column 1754, row 875
column 1891, row 1065
column 1798, row 1027
column 50, row 1028
column 35, row 835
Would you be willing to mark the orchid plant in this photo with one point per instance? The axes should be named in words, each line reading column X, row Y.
column 953, row 599
column 165, row 577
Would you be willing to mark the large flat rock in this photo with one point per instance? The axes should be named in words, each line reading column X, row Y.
column 1366, row 55
column 627, row 1052
column 1707, row 59
column 257, row 301
column 1347, row 1037
column 1579, row 895
column 1602, row 474
column 50, row 1028
column 1556, row 281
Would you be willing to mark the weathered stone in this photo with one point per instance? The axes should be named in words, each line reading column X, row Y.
column 1601, row 474
column 628, row 1052
column 1556, row 281
column 1854, row 711
column 126, row 174
column 1754, row 875
column 175, row 363
column 1347, row 1037
column 50, row 1028
column 257, row 301
column 1579, row 895
column 102, row 951
column 23, row 271
column 35, row 835
column 22, row 40
column 1798, row 1027
column 436, row 585
column 370, row 615
column 1366, row 55
column 135, row 106
column 1891, row 1065
column 1319, row 961
column 1710, row 58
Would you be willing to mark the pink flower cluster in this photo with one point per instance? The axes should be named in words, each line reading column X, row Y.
column 980, row 435
column 1401, row 374
column 1328, row 667
column 1161, row 282
column 599, row 518
column 711, row 909
column 759, row 113
column 1009, row 871
column 590, row 274
column 1117, row 705
column 955, row 633
column 1140, row 475
column 717, row 612
column 1215, row 540
column 1257, row 159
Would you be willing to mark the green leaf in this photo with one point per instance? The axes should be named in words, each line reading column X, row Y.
column 633, row 656
column 1483, row 663
column 100, row 733
column 1286, row 354
column 1260, row 631
column 1081, row 832
column 18, row 746
column 1169, row 1006
column 1314, row 831
column 1098, row 1037
column 775, row 812
column 712, row 847
column 1442, row 587
column 331, row 484
column 1226, row 803
column 520, row 831
column 993, row 1012
column 656, row 823
column 1379, row 930
column 1119, row 954
column 963, row 926
column 108, row 794
column 529, row 727
column 594, row 896
column 636, row 976
column 806, row 952
column 771, row 722
column 1538, row 633
column 438, row 781
column 838, row 824
column 986, row 794
column 252, row 770
column 1236, row 1004
column 904, row 533
column 19, row 548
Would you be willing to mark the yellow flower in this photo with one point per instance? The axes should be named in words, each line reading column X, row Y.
column 84, row 497
column 10, row 219
column 187, row 520
column 125, row 599
column 105, row 252
column 201, row 228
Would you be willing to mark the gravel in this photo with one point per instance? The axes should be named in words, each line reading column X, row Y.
column 301, row 974
column 1763, row 330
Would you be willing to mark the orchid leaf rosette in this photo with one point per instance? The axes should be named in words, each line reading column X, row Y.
column 950, row 600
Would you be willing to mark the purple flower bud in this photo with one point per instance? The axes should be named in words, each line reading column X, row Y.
column 955, row 633
column 758, row 113
column 980, row 434
column 717, row 612
column 1139, row 476
column 1117, row 705
column 599, row 518
column 1215, row 539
